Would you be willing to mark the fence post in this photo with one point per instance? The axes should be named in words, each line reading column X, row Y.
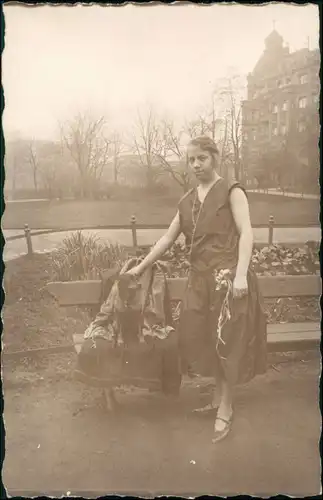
column 134, row 231
column 28, row 240
column 271, row 230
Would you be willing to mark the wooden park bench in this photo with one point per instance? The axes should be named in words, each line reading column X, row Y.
column 281, row 336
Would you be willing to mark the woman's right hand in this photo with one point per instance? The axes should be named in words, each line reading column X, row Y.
column 134, row 271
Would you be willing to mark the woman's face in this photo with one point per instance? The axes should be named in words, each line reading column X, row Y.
column 201, row 163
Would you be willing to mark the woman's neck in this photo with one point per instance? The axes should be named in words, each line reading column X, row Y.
column 204, row 188
column 207, row 184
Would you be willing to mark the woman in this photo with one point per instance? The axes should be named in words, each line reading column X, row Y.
column 222, row 324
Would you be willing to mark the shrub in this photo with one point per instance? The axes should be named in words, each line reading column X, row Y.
column 84, row 257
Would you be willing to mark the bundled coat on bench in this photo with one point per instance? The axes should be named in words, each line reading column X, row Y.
column 133, row 333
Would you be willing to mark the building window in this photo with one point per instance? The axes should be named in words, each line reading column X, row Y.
column 275, row 131
column 304, row 79
column 302, row 102
column 275, row 108
column 255, row 115
column 315, row 99
column 265, row 127
column 284, row 129
column 279, row 83
column 301, row 126
column 288, row 80
column 285, row 106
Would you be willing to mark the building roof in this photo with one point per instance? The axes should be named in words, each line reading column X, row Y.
column 274, row 39
column 276, row 57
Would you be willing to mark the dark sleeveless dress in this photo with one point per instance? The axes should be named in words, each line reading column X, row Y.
column 238, row 353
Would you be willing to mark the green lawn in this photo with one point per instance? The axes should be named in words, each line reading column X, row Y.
column 70, row 213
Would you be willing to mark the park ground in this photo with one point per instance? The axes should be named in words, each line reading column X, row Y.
column 154, row 210
column 58, row 440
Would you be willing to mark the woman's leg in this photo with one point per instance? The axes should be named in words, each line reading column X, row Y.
column 225, row 406
column 193, row 324
column 223, row 392
column 223, row 419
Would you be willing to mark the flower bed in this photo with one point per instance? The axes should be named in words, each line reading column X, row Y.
column 269, row 261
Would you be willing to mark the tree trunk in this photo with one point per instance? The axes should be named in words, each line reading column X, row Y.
column 149, row 177
column 237, row 171
column 35, row 179
column 115, row 171
column 83, row 186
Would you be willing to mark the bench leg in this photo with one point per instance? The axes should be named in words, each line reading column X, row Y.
column 109, row 400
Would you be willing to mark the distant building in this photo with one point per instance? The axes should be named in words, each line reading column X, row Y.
column 283, row 92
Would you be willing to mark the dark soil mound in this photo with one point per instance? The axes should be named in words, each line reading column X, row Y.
column 33, row 319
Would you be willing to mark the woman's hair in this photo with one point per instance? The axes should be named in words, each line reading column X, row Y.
column 205, row 143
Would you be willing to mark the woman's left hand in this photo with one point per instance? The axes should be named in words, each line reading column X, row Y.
column 240, row 287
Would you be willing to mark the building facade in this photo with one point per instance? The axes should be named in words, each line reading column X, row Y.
column 282, row 102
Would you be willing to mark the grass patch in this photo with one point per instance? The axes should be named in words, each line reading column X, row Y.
column 158, row 210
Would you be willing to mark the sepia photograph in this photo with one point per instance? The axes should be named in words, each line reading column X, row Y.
column 161, row 224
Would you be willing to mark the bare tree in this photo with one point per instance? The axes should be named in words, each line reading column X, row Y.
column 89, row 148
column 55, row 174
column 116, row 148
column 206, row 122
column 197, row 126
column 15, row 160
column 33, row 161
column 229, row 91
column 224, row 149
column 235, row 133
column 146, row 141
column 169, row 151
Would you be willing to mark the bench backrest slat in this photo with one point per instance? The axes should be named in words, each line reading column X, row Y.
column 84, row 293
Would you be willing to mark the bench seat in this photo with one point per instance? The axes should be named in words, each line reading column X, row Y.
column 281, row 337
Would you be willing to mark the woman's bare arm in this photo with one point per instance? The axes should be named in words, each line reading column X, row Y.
column 163, row 244
column 241, row 215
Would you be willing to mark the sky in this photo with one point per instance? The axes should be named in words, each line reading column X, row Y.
column 112, row 60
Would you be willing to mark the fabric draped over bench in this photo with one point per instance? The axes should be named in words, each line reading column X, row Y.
column 133, row 333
